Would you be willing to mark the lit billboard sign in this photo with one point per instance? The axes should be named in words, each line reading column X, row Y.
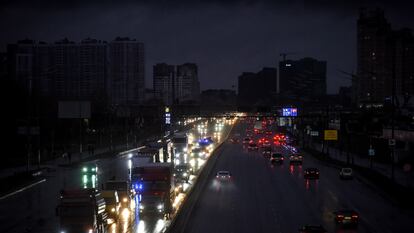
column 289, row 112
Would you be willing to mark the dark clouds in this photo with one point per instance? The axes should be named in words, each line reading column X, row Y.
column 224, row 37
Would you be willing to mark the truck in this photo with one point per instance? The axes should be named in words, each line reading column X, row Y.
column 122, row 188
column 82, row 211
column 180, row 142
column 154, row 185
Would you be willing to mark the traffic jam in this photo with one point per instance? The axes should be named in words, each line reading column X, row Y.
column 279, row 147
column 159, row 176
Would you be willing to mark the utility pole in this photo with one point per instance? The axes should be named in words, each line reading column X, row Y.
column 393, row 116
column 28, row 127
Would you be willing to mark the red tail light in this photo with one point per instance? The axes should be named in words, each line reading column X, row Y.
column 340, row 216
column 354, row 216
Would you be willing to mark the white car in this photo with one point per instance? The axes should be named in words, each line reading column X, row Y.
column 346, row 173
column 223, row 175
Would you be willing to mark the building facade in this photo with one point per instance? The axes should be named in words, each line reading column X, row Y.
column 383, row 55
column 302, row 80
column 176, row 85
column 187, row 86
column 163, row 82
column 257, row 88
column 127, row 72
column 65, row 70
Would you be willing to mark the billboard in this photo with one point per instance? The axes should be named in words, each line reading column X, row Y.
column 289, row 112
column 331, row 135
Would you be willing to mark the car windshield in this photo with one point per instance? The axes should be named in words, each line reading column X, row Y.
column 347, row 170
column 276, row 155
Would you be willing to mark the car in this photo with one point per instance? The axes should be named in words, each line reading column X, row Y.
column 311, row 173
column 267, row 151
column 296, row 158
column 182, row 173
column 312, row 229
column 223, row 175
column 253, row 147
column 234, row 140
column 266, row 143
column 90, row 168
column 346, row 173
column 246, row 140
column 277, row 158
column 346, row 218
column 268, row 132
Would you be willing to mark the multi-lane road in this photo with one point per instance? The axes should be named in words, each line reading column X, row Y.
column 259, row 198
column 266, row 198
column 33, row 210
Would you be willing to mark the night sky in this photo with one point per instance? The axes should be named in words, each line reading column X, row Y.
column 224, row 38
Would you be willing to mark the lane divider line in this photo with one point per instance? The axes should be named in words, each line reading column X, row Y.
column 22, row 189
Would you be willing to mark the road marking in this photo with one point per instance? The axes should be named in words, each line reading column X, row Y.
column 21, row 190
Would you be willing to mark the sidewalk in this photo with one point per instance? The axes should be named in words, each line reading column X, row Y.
column 404, row 178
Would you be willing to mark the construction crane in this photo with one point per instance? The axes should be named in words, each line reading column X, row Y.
column 351, row 76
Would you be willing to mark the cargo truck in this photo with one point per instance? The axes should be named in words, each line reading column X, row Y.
column 82, row 211
column 154, row 185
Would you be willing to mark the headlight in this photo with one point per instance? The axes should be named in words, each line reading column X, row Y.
column 90, row 231
column 185, row 174
column 160, row 206
column 125, row 199
column 141, row 207
column 85, row 169
column 113, row 210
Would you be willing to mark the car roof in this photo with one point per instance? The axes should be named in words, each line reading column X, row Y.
column 221, row 172
column 314, row 228
column 346, row 211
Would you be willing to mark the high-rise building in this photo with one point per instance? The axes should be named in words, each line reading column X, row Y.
column 163, row 82
column 404, row 63
column 302, row 80
column 187, row 86
column 65, row 70
column 93, row 68
column 257, row 88
column 382, row 54
column 127, row 74
column 29, row 64
column 374, row 57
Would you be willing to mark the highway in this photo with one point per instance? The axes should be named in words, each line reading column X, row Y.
column 265, row 198
column 33, row 210
column 260, row 197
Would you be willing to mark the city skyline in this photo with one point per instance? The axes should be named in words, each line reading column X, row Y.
column 223, row 47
